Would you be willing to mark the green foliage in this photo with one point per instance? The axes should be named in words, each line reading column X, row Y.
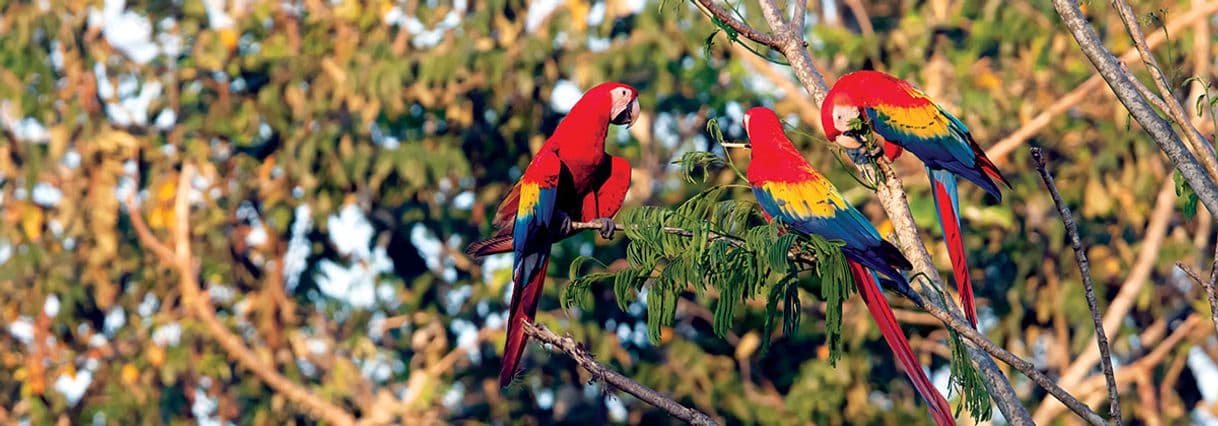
column 1186, row 194
column 967, row 381
column 709, row 243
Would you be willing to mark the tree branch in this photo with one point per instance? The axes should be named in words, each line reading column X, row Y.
column 799, row 16
column 1080, row 255
column 957, row 322
column 1122, row 84
column 1208, row 286
column 183, row 261
column 999, row 151
column 722, row 15
column 1139, row 275
column 577, row 352
column 1200, row 147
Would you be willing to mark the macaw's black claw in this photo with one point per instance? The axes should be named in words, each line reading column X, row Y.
column 561, row 225
column 608, row 227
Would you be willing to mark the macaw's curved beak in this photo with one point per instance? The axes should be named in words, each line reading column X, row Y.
column 625, row 114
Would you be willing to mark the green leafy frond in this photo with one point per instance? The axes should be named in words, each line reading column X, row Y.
column 974, row 397
column 580, row 286
column 698, row 163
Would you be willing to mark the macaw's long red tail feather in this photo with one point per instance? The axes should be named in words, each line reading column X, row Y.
column 489, row 246
column 869, row 288
column 524, row 307
column 943, row 185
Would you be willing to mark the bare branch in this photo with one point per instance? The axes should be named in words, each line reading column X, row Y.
column 182, row 260
column 1200, row 147
column 1207, row 285
column 740, row 27
column 799, row 17
column 1080, row 254
column 1122, row 84
column 999, row 151
column 1119, row 307
column 577, row 352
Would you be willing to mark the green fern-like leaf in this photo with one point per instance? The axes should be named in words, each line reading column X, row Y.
column 974, row 397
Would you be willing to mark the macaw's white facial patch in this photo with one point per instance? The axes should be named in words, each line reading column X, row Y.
column 842, row 115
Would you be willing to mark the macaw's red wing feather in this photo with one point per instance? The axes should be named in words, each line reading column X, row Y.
column 609, row 190
column 947, row 203
column 869, row 289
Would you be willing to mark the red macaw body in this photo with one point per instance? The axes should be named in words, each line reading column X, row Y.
column 790, row 190
column 908, row 120
column 571, row 178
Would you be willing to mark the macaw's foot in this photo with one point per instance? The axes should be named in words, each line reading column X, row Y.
column 607, row 227
column 561, row 225
column 875, row 152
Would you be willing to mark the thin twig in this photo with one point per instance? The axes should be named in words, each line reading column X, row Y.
column 1118, row 309
column 1080, row 255
column 183, row 261
column 599, row 371
column 1121, row 83
column 1209, row 290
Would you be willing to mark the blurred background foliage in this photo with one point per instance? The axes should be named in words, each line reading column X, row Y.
column 348, row 150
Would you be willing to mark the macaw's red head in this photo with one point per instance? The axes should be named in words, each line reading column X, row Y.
column 611, row 102
column 839, row 112
column 768, row 143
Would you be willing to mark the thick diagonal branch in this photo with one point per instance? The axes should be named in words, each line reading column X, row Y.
column 1080, row 254
column 577, row 352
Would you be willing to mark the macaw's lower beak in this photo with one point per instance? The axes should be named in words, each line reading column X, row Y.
column 627, row 115
column 736, row 145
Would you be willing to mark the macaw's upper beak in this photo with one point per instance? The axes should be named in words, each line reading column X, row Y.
column 626, row 114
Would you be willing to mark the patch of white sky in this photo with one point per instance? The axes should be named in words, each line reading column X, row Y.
column 205, row 407
column 431, row 249
column 73, row 383
column 423, row 37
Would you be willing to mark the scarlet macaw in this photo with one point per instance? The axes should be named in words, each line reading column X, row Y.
column 790, row 190
column 571, row 178
column 907, row 119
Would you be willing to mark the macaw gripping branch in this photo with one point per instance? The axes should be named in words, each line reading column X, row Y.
column 717, row 242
